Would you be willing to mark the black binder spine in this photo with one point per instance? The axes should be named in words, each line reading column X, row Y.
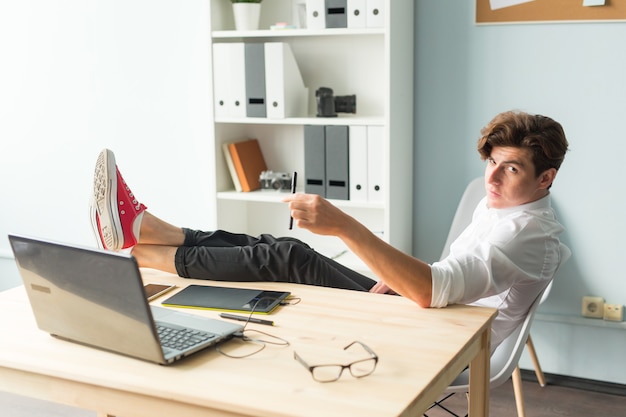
column 255, row 79
column 336, row 13
column 337, row 159
column 314, row 160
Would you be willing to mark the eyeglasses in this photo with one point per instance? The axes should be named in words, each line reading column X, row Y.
column 332, row 372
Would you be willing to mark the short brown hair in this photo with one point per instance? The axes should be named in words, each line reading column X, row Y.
column 541, row 135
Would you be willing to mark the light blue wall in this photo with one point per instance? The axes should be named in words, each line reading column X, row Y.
column 573, row 72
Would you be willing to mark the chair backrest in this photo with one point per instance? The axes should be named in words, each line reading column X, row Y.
column 474, row 192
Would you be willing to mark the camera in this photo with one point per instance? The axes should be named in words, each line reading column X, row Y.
column 328, row 105
column 271, row 180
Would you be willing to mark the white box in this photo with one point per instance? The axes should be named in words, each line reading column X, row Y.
column 613, row 312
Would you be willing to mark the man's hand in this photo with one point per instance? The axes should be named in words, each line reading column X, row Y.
column 316, row 214
column 381, row 288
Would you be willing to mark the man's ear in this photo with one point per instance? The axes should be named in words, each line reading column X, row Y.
column 546, row 178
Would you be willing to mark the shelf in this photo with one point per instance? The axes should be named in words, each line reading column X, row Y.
column 580, row 321
column 271, row 196
column 373, row 63
column 341, row 120
column 294, row 33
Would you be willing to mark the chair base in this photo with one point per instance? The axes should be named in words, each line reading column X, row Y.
column 440, row 405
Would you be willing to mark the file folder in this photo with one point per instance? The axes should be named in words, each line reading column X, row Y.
column 376, row 156
column 229, row 80
column 286, row 94
column 357, row 161
column 221, row 79
column 337, row 186
column 336, row 16
column 315, row 14
column 314, row 160
column 375, row 13
column 357, row 13
column 255, row 79
column 237, row 105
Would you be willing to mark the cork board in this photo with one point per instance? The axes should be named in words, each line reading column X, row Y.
column 524, row 11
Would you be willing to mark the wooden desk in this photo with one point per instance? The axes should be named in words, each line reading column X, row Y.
column 421, row 351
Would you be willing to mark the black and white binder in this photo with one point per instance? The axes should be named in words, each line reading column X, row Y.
column 337, row 180
column 336, row 14
column 255, row 79
column 314, row 160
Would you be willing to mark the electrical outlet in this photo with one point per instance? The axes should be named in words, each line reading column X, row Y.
column 593, row 307
column 613, row 312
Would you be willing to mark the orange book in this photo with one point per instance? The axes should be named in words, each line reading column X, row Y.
column 249, row 163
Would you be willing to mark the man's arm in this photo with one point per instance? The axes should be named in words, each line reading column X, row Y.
column 403, row 273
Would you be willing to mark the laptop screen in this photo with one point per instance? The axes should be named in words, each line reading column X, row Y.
column 87, row 295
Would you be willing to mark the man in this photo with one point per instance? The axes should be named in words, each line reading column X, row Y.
column 504, row 259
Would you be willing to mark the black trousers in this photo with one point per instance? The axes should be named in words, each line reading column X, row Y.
column 225, row 256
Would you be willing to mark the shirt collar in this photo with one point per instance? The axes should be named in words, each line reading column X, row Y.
column 542, row 203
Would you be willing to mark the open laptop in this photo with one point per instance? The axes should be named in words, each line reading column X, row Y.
column 96, row 298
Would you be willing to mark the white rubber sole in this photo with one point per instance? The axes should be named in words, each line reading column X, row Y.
column 105, row 202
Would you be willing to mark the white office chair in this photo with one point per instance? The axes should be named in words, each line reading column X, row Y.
column 504, row 361
column 503, row 364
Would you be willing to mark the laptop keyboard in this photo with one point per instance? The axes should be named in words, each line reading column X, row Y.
column 181, row 338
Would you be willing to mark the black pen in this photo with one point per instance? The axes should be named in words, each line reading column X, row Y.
column 248, row 319
column 294, row 181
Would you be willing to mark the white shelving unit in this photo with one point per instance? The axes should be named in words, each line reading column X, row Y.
column 376, row 64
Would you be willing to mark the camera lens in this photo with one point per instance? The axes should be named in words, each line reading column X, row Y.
column 345, row 104
column 276, row 184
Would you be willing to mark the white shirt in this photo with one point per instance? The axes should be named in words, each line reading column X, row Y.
column 503, row 259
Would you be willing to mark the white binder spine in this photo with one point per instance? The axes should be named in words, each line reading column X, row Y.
column 237, row 68
column 221, row 79
column 357, row 13
column 315, row 14
column 286, row 93
column 358, row 163
column 375, row 156
column 375, row 13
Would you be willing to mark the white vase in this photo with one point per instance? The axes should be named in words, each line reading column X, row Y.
column 247, row 15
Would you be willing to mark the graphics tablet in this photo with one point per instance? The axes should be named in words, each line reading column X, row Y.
column 227, row 299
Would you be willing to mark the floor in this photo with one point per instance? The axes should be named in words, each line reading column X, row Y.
column 563, row 398
column 553, row 400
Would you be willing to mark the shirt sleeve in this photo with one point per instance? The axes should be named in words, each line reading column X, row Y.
column 512, row 252
column 460, row 280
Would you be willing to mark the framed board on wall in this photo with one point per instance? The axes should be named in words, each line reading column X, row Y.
column 528, row 11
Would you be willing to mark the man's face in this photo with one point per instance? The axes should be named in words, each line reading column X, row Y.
column 510, row 178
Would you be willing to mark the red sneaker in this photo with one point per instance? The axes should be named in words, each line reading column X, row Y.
column 115, row 213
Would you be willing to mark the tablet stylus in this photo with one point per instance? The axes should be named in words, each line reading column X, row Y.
column 248, row 319
column 294, row 181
